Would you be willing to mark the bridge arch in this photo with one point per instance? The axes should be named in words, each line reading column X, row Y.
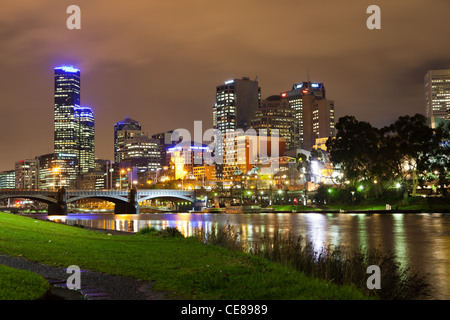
column 44, row 199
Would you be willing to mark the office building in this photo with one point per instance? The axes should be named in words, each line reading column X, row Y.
column 126, row 124
column 276, row 115
column 245, row 151
column 27, row 174
column 235, row 105
column 56, row 171
column 73, row 124
column 437, row 96
column 165, row 143
column 85, row 128
column 8, row 179
column 314, row 113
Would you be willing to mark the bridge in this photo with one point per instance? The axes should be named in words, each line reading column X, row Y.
column 126, row 202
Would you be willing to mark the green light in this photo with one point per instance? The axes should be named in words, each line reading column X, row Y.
column 330, row 190
column 361, row 188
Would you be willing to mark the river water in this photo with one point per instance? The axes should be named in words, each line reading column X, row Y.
column 420, row 241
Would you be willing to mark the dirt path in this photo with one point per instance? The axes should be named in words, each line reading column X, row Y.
column 94, row 285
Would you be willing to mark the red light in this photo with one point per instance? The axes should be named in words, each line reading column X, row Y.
column 284, row 94
column 305, row 91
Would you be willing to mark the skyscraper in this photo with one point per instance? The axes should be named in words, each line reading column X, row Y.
column 437, row 95
column 314, row 113
column 85, row 132
column 126, row 124
column 67, row 98
column 276, row 114
column 73, row 125
column 235, row 105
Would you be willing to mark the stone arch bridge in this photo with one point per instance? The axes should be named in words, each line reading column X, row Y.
column 126, row 202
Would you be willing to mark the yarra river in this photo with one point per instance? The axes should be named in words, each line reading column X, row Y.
column 420, row 241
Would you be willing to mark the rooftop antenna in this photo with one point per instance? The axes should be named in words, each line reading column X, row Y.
column 307, row 73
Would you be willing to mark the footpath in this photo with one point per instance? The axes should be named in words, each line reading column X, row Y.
column 94, row 285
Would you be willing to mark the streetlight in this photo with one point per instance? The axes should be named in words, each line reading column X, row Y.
column 120, row 180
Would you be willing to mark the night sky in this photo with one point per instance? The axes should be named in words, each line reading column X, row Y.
column 159, row 62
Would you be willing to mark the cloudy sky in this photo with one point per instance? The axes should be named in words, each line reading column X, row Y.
column 159, row 62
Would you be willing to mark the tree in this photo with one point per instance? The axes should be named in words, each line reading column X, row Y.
column 409, row 145
column 356, row 149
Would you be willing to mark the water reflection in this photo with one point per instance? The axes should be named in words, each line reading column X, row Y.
column 420, row 241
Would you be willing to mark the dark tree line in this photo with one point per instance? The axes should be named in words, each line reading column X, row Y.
column 407, row 153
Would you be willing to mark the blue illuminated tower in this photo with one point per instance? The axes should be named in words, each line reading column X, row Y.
column 67, row 98
column 73, row 126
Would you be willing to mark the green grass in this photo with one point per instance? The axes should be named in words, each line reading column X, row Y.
column 21, row 285
column 185, row 267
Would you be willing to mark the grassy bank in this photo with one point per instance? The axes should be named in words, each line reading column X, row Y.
column 187, row 268
column 336, row 264
column 21, row 285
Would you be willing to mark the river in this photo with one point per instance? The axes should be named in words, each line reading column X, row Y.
column 420, row 241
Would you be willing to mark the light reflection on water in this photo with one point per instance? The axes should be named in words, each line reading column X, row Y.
column 421, row 241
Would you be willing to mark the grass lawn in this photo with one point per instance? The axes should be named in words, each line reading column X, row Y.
column 186, row 267
column 21, row 285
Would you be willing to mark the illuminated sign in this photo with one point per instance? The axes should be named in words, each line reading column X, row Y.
column 229, row 81
column 298, row 86
column 315, row 85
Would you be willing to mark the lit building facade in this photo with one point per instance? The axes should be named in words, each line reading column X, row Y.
column 74, row 125
column 314, row 113
column 27, row 174
column 8, row 179
column 437, row 95
column 126, row 124
column 275, row 113
column 67, row 98
column 57, row 171
column 185, row 157
column 235, row 105
column 85, row 128
column 245, row 150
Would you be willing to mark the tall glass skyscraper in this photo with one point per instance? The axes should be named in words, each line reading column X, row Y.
column 73, row 124
column 314, row 113
column 85, row 132
column 67, row 98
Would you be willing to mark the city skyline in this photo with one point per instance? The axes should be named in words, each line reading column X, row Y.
column 168, row 81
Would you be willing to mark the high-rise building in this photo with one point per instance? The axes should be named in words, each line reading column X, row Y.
column 275, row 113
column 314, row 113
column 27, row 174
column 165, row 143
column 127, row 124
column 67, row 98
column 235, row 105
column 134, row 146
column 85, row 128
column 437, row 95
column 73, row 124
column 8, row 179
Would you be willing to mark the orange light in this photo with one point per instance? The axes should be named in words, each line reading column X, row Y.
column 305, row 91
column 284, row 94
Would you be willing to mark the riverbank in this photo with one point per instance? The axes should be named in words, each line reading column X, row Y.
column 182, row 268
column 332, row 209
